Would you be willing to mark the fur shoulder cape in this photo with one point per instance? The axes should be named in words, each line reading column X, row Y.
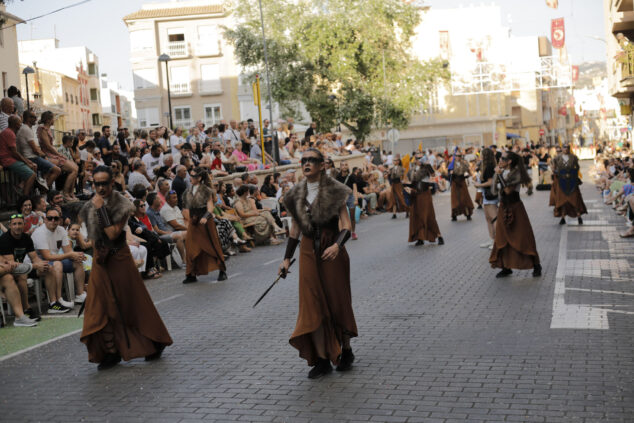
column 119, row 208
column 198, row 200
column 331, row 196
column 513, row 178
column 573, row 162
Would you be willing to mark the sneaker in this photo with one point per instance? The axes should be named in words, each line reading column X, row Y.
column 24, row 321
column 65, row 303
column 354, row 236
column 79, row 299
column 57, row 308
column 345, row 360
column 491, row 247
column 32, row 314
column 320, row 369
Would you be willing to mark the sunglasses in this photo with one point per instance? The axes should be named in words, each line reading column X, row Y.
column 313, row 160
column 172, row 192
column 141, row 205
column 14, row 216
column 52, row 218
column 101, row 183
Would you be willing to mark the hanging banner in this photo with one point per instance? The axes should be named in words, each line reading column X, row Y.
column 552, row 3
column 575, row 73
column 557, row 33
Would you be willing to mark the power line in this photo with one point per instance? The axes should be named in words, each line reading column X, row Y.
column 49, row 13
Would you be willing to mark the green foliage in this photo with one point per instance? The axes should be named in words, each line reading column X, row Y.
column 329, row 55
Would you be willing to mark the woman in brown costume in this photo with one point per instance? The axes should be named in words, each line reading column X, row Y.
column 460, row 199
column 204, row 251
column 398, row 200
column 422, row 219
column 568, row 199
column 325, row 322
column 120, row 320
column 514, row 246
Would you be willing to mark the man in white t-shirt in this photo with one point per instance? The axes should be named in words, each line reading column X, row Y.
column 29, row 147
column 177, row 140
column 52, row 245
column 153, row 159
column 232, row 134
column 172, row 214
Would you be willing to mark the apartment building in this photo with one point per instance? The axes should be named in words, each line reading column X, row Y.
column 117, row 105
column 619, row 36
column 78, row 63
column 203, row 74
column 9, row 62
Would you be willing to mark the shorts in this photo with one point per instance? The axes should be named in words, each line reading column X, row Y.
column 350, row 201
column 21, row 170
column 43, row 165
column 67, row 265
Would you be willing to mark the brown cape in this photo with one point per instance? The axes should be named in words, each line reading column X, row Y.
column 460, row 199
column 569, row 205
column 553, row 191
column 422, row 219
column 397, row 198
column 203, row 250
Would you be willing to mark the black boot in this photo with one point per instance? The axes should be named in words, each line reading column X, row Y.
column 393, row 215
column 109, row 361
column 562, row 221
column 345, row 360
column 190, row 279
column 441, row 241
column 419, row 242
column 320, row 369
column 157, row 354
column 537, row 270
column 222, row 276
column 468, row 217
column 504, row 273
column 454, row 218
column 580, row 220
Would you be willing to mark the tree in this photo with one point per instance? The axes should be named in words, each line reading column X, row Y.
column 347, row 61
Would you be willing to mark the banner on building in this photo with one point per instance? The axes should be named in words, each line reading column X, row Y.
column 575, row 73
column 552, row 3
column 557, row 33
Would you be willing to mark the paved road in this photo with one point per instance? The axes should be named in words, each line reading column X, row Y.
column 441, row 340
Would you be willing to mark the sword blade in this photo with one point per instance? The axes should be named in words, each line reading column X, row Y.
column 272, row 285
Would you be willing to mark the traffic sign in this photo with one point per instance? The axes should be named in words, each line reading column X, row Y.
column 542, row 132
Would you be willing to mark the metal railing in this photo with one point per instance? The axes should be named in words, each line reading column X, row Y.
column 9, row 195
column 180, row 88
column 186, row 124
column 177, row 49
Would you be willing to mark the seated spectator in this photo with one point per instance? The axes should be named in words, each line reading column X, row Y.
column 137, row 250
column 230, row 161
column 29, row 147
column 171, row 213
column 80, row 244
column 56, row 199
column 117, row 156
column 141, row 227
column 139, row 175
column 268, row 189
column 118, row 175
column 243, row 159
column 263, row 223
column 179, row 184
column 163, row 187
column 46, row 141
column 97, row 158
column 86, row 179
column 23, row 168
column 48, row 240
column 15, row 247
column 160, row 226
column 31, row 218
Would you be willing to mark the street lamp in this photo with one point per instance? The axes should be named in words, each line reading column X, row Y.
column 165, row 58
column 26, row 71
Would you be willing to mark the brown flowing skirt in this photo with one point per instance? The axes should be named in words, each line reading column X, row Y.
column 324, row 300
column 569, row 205
column 514, row 245
column 460, row 199
column 138, row 314
column 397, row 195
column 422, row 220
column 553, row 191
column 203, row 249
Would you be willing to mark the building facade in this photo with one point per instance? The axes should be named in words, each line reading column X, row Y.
column 117, row 105
column 9, row 62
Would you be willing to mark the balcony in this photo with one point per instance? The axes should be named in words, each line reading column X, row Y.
column 180, row 89
column 176, row 49
column 186, row 124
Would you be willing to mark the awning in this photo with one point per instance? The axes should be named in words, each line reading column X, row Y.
column 510, row 135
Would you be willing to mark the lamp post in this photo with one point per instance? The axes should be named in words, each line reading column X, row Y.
column 26, row 71
column 165, row 58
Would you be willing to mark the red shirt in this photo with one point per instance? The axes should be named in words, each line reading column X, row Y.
column 146, row 221
column 7, row 140
column 216, row 164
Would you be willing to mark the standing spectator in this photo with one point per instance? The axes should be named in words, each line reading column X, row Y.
column 30, row 149
column 152, row 160
column 11, row 159
column 45, row 138
column 18, row 102
column 177, row 141
column 6, row 108
column 48, row 240
column 179, row 184
column 232, row 134
column 104, row 145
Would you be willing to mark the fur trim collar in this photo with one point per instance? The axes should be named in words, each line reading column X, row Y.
column 119, row 209
column 198, row 200
column 331, row 196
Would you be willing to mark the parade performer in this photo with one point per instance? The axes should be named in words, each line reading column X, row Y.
column 325, row 322
column 398, row 200
column 514, row 246
column 568, row 199
column 490, row 200
column 120, row 318
column 202, row 245
column 422, row 219
column 460, row 199
column 555, row 184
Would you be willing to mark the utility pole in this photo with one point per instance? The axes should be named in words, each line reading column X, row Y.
column 276, row 149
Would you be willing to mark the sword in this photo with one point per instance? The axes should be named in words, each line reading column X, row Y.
column 282, row 275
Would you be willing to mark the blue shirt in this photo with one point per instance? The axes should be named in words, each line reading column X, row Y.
column 157, row 220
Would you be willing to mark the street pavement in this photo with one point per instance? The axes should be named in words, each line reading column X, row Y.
column 440, row 338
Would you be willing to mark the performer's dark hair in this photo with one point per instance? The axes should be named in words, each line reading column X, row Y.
column 518, row 163
column 102, row 168
column 316, row 151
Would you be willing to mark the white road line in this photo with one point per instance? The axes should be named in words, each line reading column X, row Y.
column 271, row 262
column 57, row 338
column 234, row 275
column 600, row 291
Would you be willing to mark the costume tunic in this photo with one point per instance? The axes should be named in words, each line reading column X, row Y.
column 422, row 219
column 460, row 199
column 115, row 275
column 568, row 199
column 398, row 200
column 324, row 286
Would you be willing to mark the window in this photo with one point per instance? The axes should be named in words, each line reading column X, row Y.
column 176, row 45
column 210, row 79
column 71, row 99
column 94, row 94
column 183, row 116
column 66, row 94
column 212, row 114
column 104, row 84
column 175, row 34
column 142, row 40
column 95, row 119
column 76, row 101
column 208, row 41
column 92, row 69
column 144, row 78
column 148, row 117
column 179, row 80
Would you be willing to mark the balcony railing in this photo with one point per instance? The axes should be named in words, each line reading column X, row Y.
column 186, row 124
column 177, row 49
column 180, row 88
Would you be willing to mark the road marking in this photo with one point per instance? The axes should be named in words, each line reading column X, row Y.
column 167, row 299
column 270, row 262
column 600, row 291
column 234, row 275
